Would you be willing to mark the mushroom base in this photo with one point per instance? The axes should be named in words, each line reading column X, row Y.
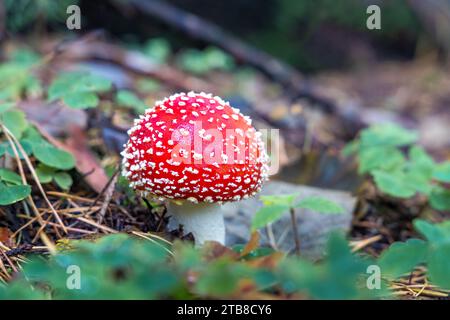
column 204, row 220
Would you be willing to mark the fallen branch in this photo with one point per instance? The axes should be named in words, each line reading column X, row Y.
column 134, row 61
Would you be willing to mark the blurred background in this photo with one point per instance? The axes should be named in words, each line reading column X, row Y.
column 312, row 69
column 310, row 35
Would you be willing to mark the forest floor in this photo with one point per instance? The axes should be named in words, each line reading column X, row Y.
column 414, row 94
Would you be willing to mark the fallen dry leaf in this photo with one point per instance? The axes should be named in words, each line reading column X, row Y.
column 269, row 262
column 252, row 244
column 86, row 163
column 214, row 250
column 5, row 236
column 54, row 120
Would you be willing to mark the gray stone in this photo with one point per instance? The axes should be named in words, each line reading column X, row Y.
column 313, row 227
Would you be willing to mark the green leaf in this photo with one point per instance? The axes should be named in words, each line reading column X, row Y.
column 15, row 121
column 148, row 85
column 393, row 183
column 256, row 253
column 343, row 286
column 78, row 89
column 129, row 99
column 419, row 169
column 25, row 57
column 341, row 274
column 220, row 278
column 13, row 194
column 444, row 226
column 44, row 173
column 402, row 257
column 158, row 49
column 15, row 78
column 10, row 176
column 20, row 290
column 113, row 267
column 434, row 233
column 442, row 172
column 5, row 106
column 77, row 82
column 420, row 158
column 388, row 134
column 268, row 214
column 440, row 198
column 63, row 180
column 439, row 265
column 280, row 199
column 216, row 58
column 92, row 83
column 319, row 204
column 350, row 148
column 418, row 181
column 194, row 61
column 63, row 84
column 428, row 230
column 32, row 136
column 53, row 157
column 81, row 100
column 6, row 147
column 386, row 157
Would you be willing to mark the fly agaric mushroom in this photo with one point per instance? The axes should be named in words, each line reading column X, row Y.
column 198, row 152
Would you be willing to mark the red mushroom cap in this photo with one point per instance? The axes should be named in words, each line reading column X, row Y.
column 196, row 147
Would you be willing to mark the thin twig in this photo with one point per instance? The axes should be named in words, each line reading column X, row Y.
column 33, row 173
column 271, row 236
column 147, row 203
column 295, row 231
column 149, row 238
column 108, row 195
column 161, row 220
column 3, row 268
column 45, row 239
column 11, row 264
column 93, row 223
column 360, row 244
column 112, row 180
column 70, row 196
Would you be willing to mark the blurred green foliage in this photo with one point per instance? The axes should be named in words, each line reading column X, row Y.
column 158, row 49
column 48, row 174
column 128, row 99
column 124, row 267
column 18, row 82
column 13, row 193
column 296, row 29
column 399, row 167
column 203, row 61
column 24, row 14
column 340, row 276
column 403, row 257
column 78, row 90
column 16, row 76
column 291, row 28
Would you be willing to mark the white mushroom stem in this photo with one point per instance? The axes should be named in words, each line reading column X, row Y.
column 204, row 220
